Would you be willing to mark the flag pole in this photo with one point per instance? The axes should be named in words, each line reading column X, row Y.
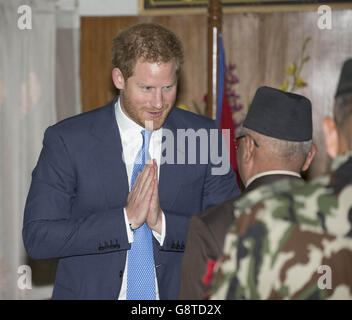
column 214, row 29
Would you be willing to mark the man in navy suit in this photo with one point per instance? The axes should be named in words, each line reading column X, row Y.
column 87, row 203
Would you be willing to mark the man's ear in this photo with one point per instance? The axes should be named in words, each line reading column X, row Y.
column 249, row 148
column 331, row 137
column 118, row 79
column 310, row 157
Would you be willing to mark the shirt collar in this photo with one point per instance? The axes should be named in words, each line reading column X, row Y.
column 266, row 173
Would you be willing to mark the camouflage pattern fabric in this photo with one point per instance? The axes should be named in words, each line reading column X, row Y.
column 294, row 244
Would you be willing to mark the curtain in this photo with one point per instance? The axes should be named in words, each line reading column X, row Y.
column 68, row 102
column 32, row 62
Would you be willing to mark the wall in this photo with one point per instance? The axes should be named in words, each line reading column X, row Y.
column 108, row 7
column 261, row 45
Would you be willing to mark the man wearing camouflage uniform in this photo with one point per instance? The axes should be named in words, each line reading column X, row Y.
column 298, row 243
column 275, row 143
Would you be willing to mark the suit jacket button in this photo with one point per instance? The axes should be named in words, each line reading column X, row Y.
column 120, row 273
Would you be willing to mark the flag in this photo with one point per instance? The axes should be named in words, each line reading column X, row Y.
column 224, row 114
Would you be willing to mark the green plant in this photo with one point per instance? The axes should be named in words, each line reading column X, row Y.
column 293, row 71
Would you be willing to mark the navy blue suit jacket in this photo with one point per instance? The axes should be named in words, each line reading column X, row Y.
column 74, row 209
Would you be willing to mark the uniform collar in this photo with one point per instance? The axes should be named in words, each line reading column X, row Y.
column 272, row 172
column 340, row 160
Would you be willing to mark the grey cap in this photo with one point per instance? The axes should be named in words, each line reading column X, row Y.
column 281, row 115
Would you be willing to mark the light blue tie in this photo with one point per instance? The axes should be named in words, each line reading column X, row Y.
column 140, row 270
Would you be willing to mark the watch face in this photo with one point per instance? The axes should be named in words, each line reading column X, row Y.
column 132, row 228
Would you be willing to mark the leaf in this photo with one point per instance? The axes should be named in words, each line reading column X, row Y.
column 306, row 59
column 305, row 43
column 291, row 70
column 299, row 82
column 284, row 85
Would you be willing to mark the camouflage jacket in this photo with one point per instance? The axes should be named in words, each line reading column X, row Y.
column 295, row 244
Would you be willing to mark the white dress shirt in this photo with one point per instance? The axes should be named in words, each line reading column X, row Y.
column 132, row 141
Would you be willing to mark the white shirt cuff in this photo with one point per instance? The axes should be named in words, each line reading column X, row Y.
column 159, row 237
column 128, row 229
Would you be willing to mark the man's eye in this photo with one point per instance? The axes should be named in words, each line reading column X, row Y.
column 146, row 88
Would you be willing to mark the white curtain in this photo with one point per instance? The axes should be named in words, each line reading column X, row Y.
column 31, row 94
column 68, row 101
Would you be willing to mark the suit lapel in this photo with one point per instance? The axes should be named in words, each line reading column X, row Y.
column 171, row 173
column 107, row 153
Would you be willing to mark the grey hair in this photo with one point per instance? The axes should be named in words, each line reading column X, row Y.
column 281, row 148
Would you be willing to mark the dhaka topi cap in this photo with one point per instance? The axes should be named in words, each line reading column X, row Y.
column 281, row 115
column 345, row 82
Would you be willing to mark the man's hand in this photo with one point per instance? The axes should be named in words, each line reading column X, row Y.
column 139, row 199
column 154, row 216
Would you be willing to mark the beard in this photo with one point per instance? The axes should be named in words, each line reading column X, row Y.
column 145, row 116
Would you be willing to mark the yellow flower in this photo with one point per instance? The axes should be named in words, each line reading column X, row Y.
column 284, row 85
column 291, row 70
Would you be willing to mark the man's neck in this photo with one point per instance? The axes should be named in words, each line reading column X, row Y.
column 271, row 172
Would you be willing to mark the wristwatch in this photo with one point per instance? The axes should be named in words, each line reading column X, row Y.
column 132, row 227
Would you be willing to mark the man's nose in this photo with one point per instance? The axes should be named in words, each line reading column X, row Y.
column 158, row 99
